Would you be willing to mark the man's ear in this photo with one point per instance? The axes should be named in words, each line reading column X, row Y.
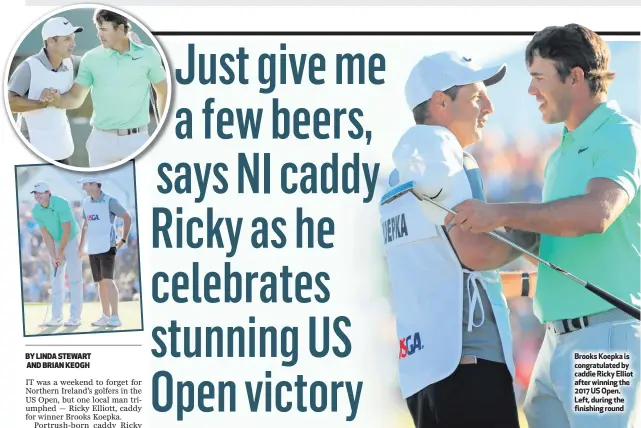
column 439, row 99
column 577, row 75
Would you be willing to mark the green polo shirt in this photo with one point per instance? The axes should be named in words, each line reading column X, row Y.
column 607, row 144
column 58, row 212
column 120, row 84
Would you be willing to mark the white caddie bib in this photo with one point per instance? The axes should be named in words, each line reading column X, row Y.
column 425, row 273
column 99, row 225
column 428, row 301
column 49, row 129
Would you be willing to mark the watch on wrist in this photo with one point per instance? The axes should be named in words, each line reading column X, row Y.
column 525, row 284
column 124, row 241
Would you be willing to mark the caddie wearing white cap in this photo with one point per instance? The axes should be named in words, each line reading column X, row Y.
column 59, row 231
column 46, row 127
column 98, row 231
column 456, row 366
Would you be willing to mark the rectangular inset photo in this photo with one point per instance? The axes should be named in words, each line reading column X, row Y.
column 79, row 254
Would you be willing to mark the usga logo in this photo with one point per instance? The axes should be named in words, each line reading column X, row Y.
column 409, row 345
column 92, row 217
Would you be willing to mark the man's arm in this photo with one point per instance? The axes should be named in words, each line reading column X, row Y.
column 614, row 183
column 161, row 96
column 483, row 252
column 51, row 247
column 126, row 218
column 594, row 212
column 158, row 78
column 479, row 251
column 70, row 100
column 18, row 88
column 66, row 232
column 118, row 210
column 66, row 217
column 20, row 104
column 512, row 284
column 73, row 98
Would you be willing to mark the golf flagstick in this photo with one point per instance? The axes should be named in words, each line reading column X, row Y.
column 608, row 297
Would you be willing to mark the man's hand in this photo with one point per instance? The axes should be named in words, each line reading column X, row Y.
column 119, row 244
column 60, row 257
column 81, row 253
column 476, row 216
column 50, row 96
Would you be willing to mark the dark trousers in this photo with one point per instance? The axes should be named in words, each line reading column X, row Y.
column 475, row 395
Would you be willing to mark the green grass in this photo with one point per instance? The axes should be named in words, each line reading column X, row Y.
column 34, row 314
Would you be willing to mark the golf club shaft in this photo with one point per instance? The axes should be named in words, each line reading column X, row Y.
column 613, row 300
column 153, row 106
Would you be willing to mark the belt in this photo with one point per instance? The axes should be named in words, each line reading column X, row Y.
column 569, row 325
column 128, row 131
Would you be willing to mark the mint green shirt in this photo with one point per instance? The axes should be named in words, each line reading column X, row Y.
column 120, row 84
column 607, row 144
column 51, row 218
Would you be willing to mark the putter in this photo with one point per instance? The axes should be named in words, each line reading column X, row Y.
column 626, row 307
column 44, row 322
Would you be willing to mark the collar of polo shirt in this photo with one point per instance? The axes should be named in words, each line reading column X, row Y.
column 133, row 46
column 591, row 123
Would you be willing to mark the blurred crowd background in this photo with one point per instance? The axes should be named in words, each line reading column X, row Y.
column 35, row 260
column 512, row 156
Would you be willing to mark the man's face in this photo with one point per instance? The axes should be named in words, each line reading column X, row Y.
column 42, row 197
column 468, row 112
column 62, row 45
column 553, row 95
column 108, row 35
column 89, row 187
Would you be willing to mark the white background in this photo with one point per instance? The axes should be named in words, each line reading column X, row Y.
column 352, row 264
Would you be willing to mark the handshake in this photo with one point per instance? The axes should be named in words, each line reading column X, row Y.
column 50, row 96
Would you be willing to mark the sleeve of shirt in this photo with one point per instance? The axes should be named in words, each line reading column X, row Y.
column 116, row 208
column 620, row 161
column 156, row 71
column 84, row 77
column 37, row 219
column 20, row 79
column 66, row 215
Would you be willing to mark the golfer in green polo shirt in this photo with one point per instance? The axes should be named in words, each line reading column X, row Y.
column 589, row 223
column 119, row 74
column 60, row 233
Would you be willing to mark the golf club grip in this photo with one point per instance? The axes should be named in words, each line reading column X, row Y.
column 626, row 307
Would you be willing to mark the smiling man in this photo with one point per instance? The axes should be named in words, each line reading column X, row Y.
column 119, row 73
column 589, row 222
column 456, row 365
column 42, row 124
column 100, row 211
column 59, row 231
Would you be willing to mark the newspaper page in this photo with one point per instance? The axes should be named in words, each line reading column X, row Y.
column 321, row 214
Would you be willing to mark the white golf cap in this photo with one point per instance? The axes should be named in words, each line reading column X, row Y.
column 444, row 70
column 40, row 187
column 86, row 180
column 58, row 26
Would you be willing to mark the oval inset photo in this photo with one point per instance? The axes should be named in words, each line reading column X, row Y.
column 88, row 87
